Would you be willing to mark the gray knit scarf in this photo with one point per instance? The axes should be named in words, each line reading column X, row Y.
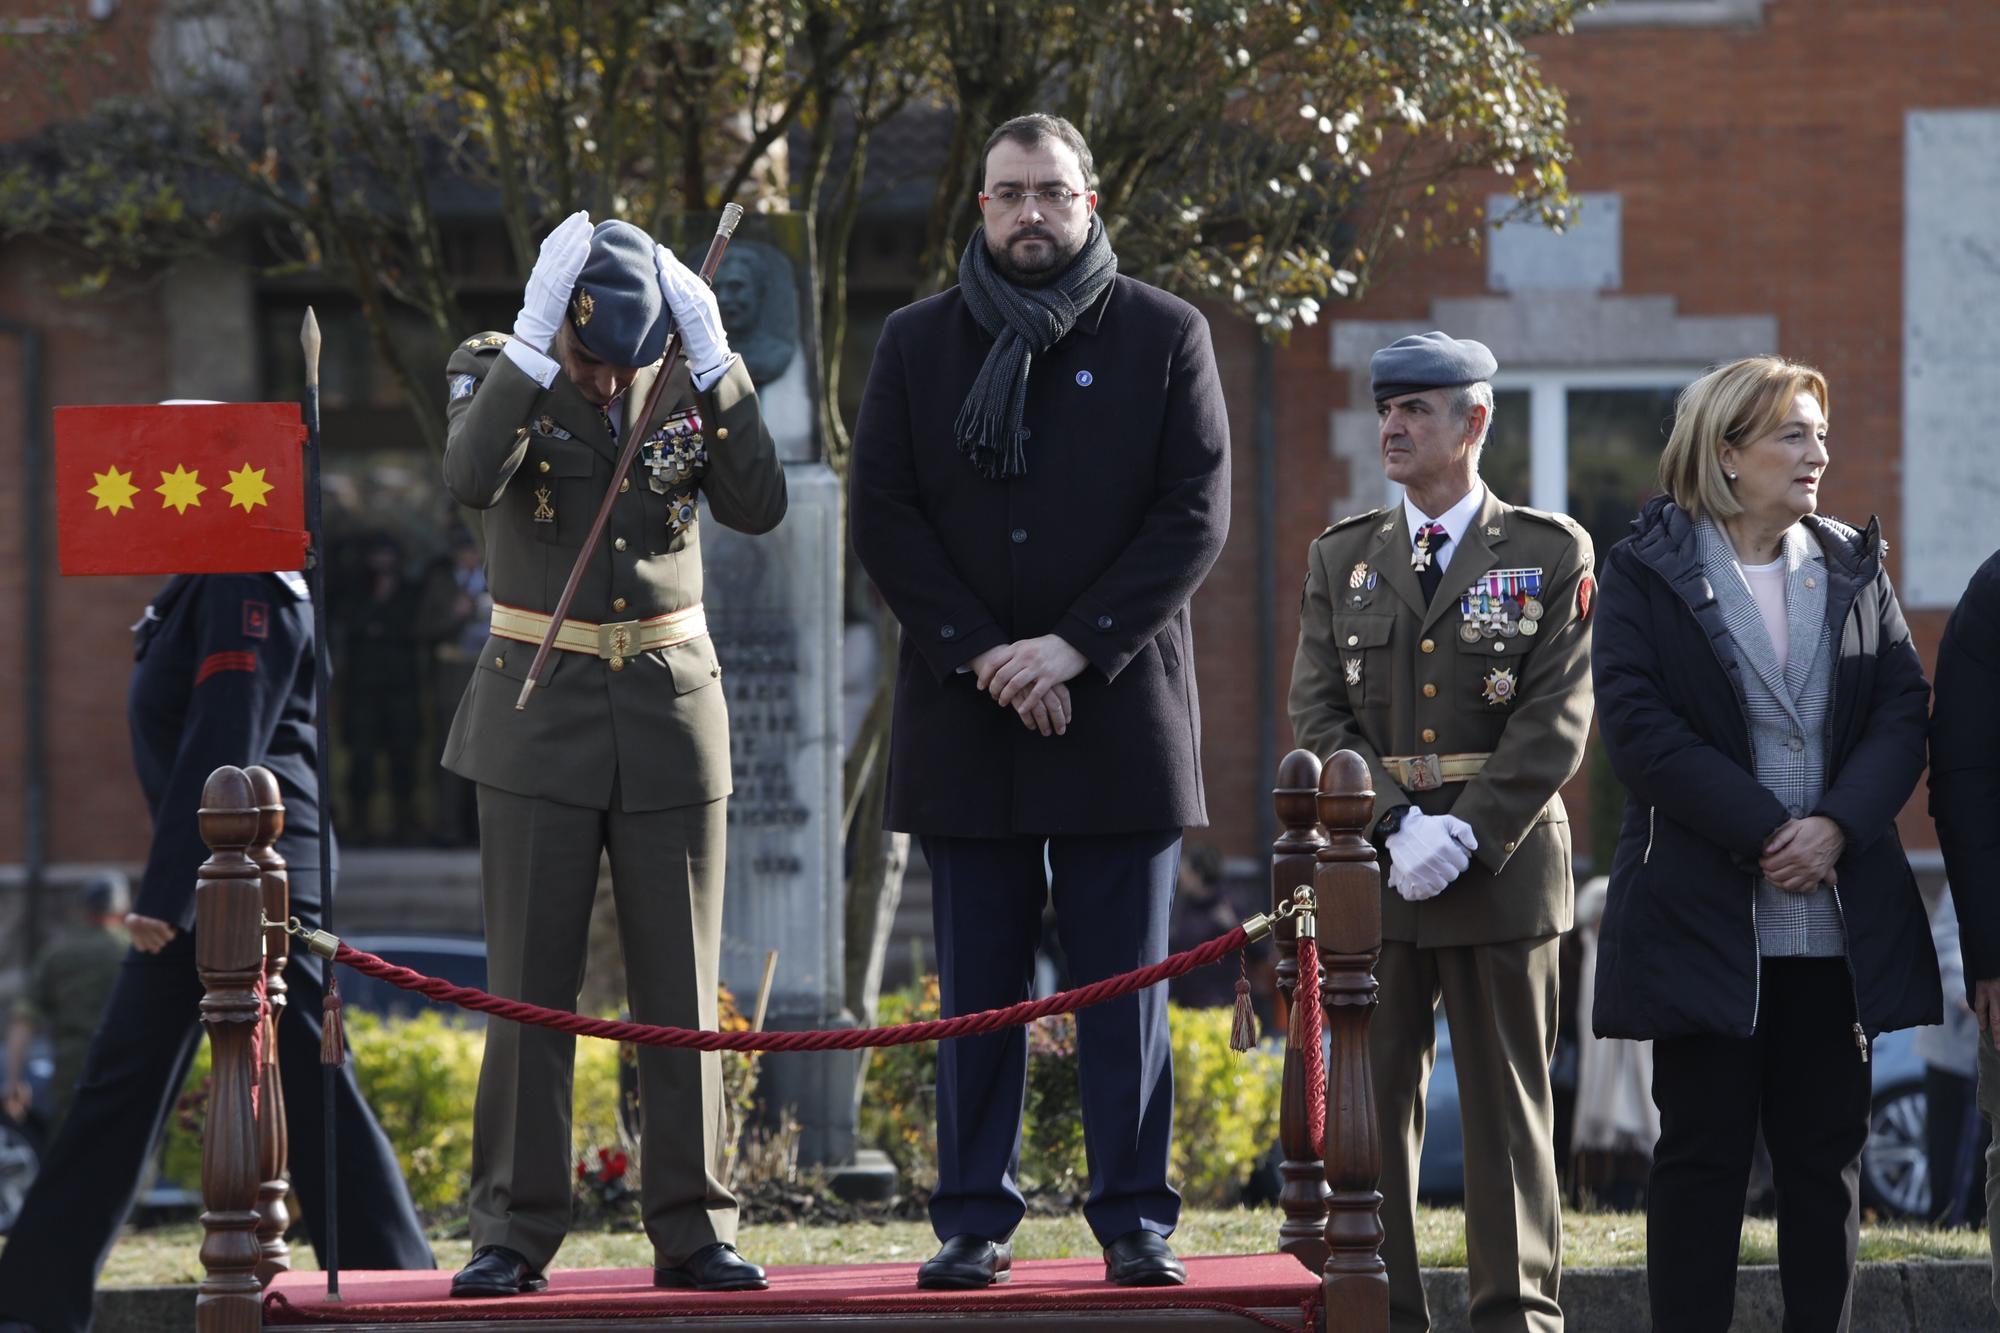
column 1023, row 322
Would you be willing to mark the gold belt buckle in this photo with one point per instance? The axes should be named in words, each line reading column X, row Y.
column 1426, row 772
column 617, row 639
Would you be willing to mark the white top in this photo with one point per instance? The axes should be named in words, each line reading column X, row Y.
column 1767, row 585
column 1455, row 519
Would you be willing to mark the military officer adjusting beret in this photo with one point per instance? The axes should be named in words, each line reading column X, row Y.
column 1431, row 360
column 617, row 309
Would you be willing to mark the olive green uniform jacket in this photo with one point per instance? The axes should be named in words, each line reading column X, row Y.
column 1379, row 672
column 538, row 461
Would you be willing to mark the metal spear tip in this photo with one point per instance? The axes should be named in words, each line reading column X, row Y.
column 309, row 339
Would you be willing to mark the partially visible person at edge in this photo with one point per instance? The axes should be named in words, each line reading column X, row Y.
column 66, row 994
column 1965, row 799
column 1759, row 697
column 1041, row 482
column 224, row 676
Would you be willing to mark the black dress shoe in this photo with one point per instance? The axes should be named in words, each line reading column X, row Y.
column 496, row 1270
column 1142, row 1259
column 716, row 1267
column 966, row 1263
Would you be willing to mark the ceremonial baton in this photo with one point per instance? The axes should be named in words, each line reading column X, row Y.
column 322, row 675
column 731, row 215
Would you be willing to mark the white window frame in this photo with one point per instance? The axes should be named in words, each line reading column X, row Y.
column 1548, row 415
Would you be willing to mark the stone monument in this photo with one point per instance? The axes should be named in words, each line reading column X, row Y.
column 774, row 609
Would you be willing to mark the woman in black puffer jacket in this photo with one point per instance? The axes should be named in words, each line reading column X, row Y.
column 1760, row 699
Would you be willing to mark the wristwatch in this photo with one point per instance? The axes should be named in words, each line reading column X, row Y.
column 1390, row 822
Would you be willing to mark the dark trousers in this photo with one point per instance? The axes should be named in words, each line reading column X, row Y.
column 137, row 1064
column 1112, row 894
column 1802, row 1077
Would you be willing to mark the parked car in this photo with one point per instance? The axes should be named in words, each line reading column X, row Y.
column 459, row 959
column 1895, row 1171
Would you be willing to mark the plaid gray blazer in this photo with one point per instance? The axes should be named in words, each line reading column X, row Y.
column 1786, row 709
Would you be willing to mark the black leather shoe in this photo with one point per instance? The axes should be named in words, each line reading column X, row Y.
column 1142, row 1259
column 496, row 1270
column 716, row 1267
column 966, row 1263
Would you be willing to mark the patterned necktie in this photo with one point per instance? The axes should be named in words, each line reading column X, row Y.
column 1430, row 541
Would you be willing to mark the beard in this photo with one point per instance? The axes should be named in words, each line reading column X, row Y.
column 1033, row 273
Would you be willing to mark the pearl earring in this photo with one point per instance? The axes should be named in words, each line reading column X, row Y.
column 1732, row 476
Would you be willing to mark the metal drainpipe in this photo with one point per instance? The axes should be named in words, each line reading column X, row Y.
column 1266, row 431
column 34, row 490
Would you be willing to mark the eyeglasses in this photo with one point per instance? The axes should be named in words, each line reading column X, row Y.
column 1057, row 199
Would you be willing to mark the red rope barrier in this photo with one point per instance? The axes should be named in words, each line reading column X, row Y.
column 1307, row 1013
column 902, row 1034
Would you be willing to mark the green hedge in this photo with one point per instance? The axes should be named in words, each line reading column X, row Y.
column 1225, row 1104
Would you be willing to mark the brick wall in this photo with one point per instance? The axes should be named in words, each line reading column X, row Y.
column 1761, row 172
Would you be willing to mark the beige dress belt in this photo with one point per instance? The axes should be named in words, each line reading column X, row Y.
column 1428, row 772
column 615, row 639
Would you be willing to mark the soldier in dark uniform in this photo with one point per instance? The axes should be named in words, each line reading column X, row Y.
column 624, row 746
column 224, row 676
column 1445, row 641
column 66, row 994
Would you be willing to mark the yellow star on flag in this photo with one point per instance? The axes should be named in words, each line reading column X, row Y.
column 179, row 489
column 114, row 490
column 248, row 488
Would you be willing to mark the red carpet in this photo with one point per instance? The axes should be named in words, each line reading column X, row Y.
column 1254, row 1288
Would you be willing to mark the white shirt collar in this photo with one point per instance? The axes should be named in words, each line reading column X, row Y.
column 1455, row 519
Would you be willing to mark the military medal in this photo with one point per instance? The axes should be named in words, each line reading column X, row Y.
column 681, row 517
column 1530, row 627
column 1353, row 668
column 675, row 450
column 544, row 511
column 1498, row 687
column 1532, row 608
column 1469, row 631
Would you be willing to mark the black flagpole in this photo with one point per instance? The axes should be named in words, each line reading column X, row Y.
column 332, row 1043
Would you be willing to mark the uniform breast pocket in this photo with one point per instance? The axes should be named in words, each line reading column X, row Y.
column 561, row 501
column 1490, row 670
column 1362, row 643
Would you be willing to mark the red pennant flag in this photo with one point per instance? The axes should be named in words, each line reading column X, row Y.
column 209, row 489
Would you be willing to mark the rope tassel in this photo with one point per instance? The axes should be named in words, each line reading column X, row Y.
column 332, row 1035
column 1243, row 1032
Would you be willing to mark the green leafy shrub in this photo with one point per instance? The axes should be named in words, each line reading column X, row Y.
column 1225, row 1103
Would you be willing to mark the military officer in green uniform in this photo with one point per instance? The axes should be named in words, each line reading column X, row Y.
column 66, row 993
column 624, row 746
column 1445, row 639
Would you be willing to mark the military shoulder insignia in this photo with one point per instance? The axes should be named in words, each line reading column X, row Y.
column 1585, row 590
column 256, row 620
column 1498, row 688
column 462, row 386
column 480, row 342
column 1347, row 522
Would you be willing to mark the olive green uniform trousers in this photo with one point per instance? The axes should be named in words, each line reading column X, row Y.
column 539, row 863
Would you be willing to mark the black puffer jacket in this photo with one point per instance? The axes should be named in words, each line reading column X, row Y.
column 1678, row 952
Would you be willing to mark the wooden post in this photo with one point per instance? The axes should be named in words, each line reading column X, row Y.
column 1348, row 885
column 229, row 952
column 1303, row 1195
column 273, row 1144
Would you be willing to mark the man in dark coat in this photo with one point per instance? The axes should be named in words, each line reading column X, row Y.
column 1965, row 793
column 1041, row 482
column 224, row 676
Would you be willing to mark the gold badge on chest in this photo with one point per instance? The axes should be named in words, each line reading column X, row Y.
column 1498, row 688
column 1353, row 668
column 544, row 511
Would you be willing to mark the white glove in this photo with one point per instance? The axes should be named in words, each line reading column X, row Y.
column 1428, row 852
column 546, row 301
column 696, row 315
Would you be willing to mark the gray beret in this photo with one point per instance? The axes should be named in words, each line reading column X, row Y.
column 617, row 309
column 1431, row 360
